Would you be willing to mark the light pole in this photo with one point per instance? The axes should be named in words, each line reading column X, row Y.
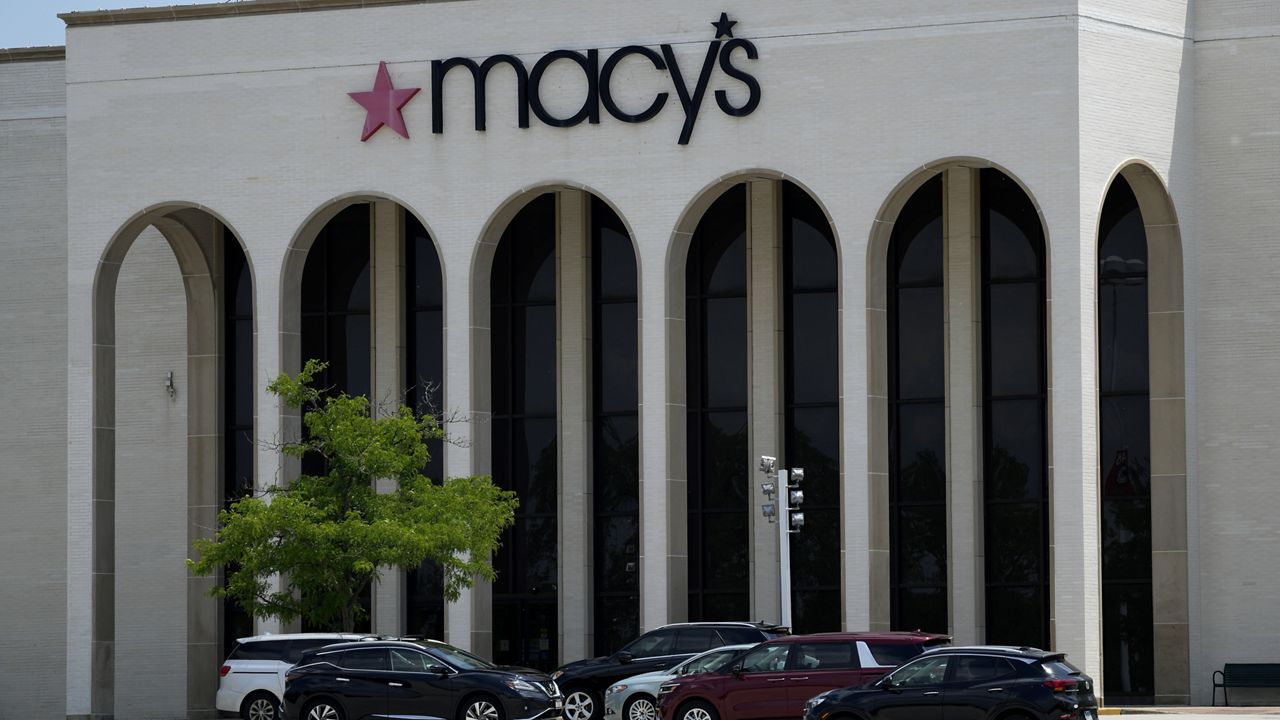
column 786, row 485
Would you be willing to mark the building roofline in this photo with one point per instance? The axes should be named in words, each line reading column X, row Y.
column 219, row 10
column 33, row 54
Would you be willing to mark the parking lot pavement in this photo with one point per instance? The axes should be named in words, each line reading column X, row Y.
column 1200, row 713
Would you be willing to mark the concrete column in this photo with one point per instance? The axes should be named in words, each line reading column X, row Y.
column 1075, row 555
column 467, row 390
column 963, row 405
column 664, row 528
column 387, row 270
column 574, row 416
column 765, row 400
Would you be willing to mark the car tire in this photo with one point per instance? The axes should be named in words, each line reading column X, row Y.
column 639, row 707
column 698, row 710
column 323, row 709
column 480, row 707
column 260, row 706
column 581, row 704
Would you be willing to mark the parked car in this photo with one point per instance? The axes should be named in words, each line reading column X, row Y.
column 634, row 698
column 419, row 678
column 969, row 683
column 585, row 681
column 774, row 679
column 251, row 680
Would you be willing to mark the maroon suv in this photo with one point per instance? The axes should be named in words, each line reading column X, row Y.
column 775, row 678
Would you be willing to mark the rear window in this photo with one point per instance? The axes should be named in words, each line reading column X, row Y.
column 260, row 650
column 892, row 654
column 741, row 636
column 1059, row 668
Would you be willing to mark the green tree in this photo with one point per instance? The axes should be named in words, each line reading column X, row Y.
column 326, row 536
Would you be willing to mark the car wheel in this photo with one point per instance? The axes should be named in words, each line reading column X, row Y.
column 580, row 704
column 322, row 710
column 698, row 710
column 481, row 707
column 259, row 706
column 639, row 707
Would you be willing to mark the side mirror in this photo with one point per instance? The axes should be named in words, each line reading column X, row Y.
column 736, row 670
column 438, row 669
column 624, row 657
column 888, row 684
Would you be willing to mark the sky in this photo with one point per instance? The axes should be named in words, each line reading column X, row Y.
column 31, row 23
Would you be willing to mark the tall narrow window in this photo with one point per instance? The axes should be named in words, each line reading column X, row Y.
column 716, row 342
column 917, row 415
column 238, row 388
column 523, row 319
column 1016, row 507
column 424, row 375
column 335, row 320
column 811, row 278
column 1124, row 416
column 616, row 456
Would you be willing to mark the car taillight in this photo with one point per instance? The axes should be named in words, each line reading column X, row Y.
column 222, row 671
column 1061, row 685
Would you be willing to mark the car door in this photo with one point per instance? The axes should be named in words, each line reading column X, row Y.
column 360, row 682
column 816, row 667
column 912, row 692
column 420, row 685
column 976, row 685
column 757, row 687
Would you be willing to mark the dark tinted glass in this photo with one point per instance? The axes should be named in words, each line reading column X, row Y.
column 657, row 642
column 739, row 636
column 238, row 385
column 766, row 658
column 724, row 473
column 917, row 413
column 523, row 372
column 721, row 245
column 617, row 480
column 618, row 541
column 1015, row 467
column 364, row 659
column 695, row 640
column 1014, row 426
column 815, row 446
column 614, row 615
column 917, row 236
column 813, row 355
column 614, row 255
column 892, row 654
column 818, row 606
column 260, row 650
column 811, row 552
column 425, row 286
column 824, row 656
column 919, row 343
column 974, row 669
column 1124, row 415
column 726, row 566
column 725, row 350
column 811, row 249
column 616, row 358
column 1013, row 325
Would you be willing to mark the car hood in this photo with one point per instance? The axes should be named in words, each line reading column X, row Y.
column 523, row 672
column 649, row 677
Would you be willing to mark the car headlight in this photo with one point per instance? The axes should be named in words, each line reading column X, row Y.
column 518, row 684
column 615, row 689
column 666, row 688
column 811, row 702
column 556, row 675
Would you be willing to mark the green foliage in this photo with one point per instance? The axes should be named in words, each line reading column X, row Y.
column 327, row 536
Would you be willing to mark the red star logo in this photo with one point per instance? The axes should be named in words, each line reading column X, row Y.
column 382, row 104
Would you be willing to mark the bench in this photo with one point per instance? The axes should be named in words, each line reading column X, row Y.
column 1244, row 675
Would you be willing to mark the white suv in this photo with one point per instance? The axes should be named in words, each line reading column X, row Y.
column 251, row 681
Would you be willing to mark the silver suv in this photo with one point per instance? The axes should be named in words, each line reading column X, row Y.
column 251, row 680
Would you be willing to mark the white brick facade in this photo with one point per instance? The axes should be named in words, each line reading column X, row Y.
column 246, row 119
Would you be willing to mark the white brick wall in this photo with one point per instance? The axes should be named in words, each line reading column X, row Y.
column 33, row 310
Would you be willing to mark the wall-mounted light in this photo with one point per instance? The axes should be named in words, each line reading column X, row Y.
column 168, row 385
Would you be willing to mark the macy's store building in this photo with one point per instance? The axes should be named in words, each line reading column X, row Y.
column 996, row 274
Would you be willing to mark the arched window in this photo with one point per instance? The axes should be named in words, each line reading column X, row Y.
column 917, row 415
column 1015, row 452
column 336, row 301
column 811, row 368
column 716, row 353
column 616, row 422
column 1125, row 456
column 424, row 377
column 237, row 415
column 524, row 431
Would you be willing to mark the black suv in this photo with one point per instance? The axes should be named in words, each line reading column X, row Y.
column 420, row 678
column 972, row 683
column 584, row 682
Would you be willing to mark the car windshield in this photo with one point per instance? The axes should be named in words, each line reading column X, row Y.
column 458, row 657
column 705, row 662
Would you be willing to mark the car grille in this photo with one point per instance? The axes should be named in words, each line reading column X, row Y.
column 550, row 688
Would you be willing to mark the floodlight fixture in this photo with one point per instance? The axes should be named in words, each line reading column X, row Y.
column 768, row 464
